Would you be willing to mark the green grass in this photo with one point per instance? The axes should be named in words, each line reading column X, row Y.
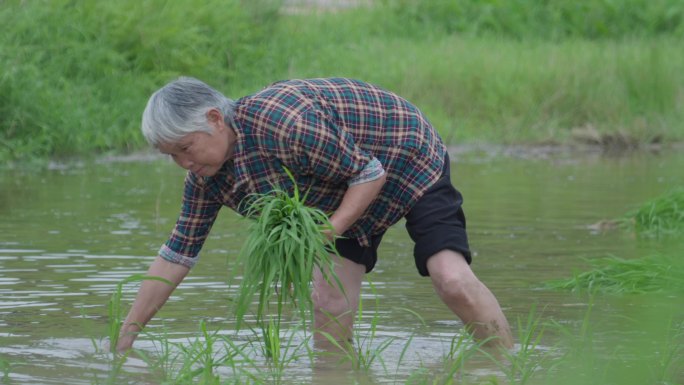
column 492, row 90
column 553, row 20
column 497, row 71
column 656, row 273
column 661, row 216
column 76, row 74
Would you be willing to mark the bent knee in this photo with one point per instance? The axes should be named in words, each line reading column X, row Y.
column 334, row 305
column 462, row 290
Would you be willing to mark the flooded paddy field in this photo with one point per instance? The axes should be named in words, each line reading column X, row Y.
column 69, row 234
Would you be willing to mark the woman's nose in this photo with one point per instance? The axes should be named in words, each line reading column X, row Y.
column 183, row 161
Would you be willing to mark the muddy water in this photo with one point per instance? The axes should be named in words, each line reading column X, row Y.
column 69, row 234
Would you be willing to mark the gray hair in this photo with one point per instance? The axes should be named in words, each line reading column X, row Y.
column 180, row 108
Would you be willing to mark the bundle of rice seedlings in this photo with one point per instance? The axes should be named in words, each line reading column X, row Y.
column 650, row 274
column 663, row 215
column 283, row 247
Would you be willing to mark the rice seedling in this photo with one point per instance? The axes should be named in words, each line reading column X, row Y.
column 284, row 245
column 521, row 364
column 243, row 362
column 199, row 361
column 669, row 358
column 366, row 348
column 462, row 348
column 282, row 352
column 115, row 368
column 5, row 369
column 663, row 215
column 191, row 362
column 363, row 355
column 649, row 350
column 363, row 350
column 407, row 344
column 115, row 312
column 166, row 358
column 611, row 274
column 271, row 335
column 279, row 348
column 86, row 326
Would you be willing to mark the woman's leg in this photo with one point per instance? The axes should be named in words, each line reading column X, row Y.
column 334, row 310
column 470, row 299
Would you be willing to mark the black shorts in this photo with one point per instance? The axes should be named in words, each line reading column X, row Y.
column 435, row 223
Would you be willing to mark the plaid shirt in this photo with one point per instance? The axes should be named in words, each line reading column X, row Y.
column 325, row 131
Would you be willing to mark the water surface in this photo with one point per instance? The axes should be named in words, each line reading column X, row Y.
column 70, row 233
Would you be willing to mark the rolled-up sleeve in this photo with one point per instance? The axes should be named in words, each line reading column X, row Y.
column 371, row 172
column 198, row 213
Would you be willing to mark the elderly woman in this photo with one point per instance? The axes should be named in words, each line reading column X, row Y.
column 365, row 155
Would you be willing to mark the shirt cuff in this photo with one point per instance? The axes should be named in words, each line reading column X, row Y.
column 173, row 257
column 371, row 172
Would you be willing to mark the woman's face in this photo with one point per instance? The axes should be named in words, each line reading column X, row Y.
column 203, row 153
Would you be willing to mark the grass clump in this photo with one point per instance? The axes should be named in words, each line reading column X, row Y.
column 284, row 246
column 663, row 215
column 657, row 273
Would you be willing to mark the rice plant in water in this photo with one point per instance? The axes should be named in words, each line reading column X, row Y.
column 670, row 357
column 166, row 358
column 281, row 349
column 367, row 347
column 115, row 312
column 521, row 364
column 612, row 274
column 462, row 348
column 284, row 245
column 199, row 360
column 364, row 349
column 4, row 368
column 661, row 216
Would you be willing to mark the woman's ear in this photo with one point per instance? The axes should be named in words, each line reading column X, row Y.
column 213, row 115
column 215, row 118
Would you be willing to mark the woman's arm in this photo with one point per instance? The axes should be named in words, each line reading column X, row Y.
column 356, row 200
column 151, row 297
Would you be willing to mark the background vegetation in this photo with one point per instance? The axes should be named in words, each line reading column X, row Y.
column 75, row 74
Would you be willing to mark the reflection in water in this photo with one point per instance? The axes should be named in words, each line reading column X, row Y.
column 69, row 236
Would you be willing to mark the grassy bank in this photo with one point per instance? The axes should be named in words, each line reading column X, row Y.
column 76, row 75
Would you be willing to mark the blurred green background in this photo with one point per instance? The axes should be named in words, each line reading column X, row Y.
column 75, row 74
